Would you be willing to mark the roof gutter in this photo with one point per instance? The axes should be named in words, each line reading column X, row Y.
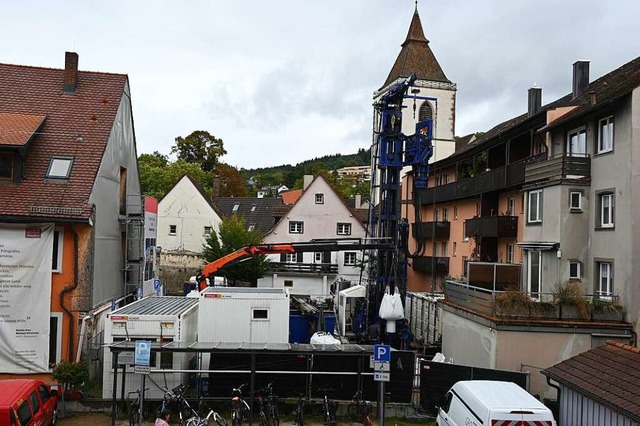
column 70, row 288
column 40, row 219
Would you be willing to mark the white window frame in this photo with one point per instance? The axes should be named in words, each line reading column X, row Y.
column 319, row 198
column 58, row 315
column 58, row 268
column 296, row 227
column 511, row 206
column 350, row 258
column 291, row 257
column 530, row 272
column 444, row 248
column 205, row 230
column 607, row 121
column 436, row 248
column 235, row 208
column 317, row 257
column 578, row 275
column 343, row 228
column 538, row 206
column 445, row 214
column 511, row 255
column 455, row 212
column 605, row 272
column 583, row 145
column 175, row 229
column 607, row 220
column 455, row 249
column 253, row 314
column 436, row 215
column 577, row 207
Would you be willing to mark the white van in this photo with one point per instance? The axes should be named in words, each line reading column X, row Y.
column 489, row 403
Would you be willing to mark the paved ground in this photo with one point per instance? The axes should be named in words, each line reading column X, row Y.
column 105, row 420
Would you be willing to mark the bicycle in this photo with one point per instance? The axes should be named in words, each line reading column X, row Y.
column 360, row 411
column 329, row 407
column 170, row 399
column 240, row 408
column 268, row 406
column 299, row 413
column 134, row 408
column 197, row 420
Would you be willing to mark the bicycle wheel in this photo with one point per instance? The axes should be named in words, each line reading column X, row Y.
column 354, row 414
column 263, row 418
column 274, row 415
column 134, row 417
column 219, row 419
column 299, row 421
column 236, row 418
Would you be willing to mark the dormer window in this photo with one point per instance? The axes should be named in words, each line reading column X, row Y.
column 6, row 167
column 60, row 167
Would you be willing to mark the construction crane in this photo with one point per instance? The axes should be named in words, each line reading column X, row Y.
column 392, row 152
column 251, row 250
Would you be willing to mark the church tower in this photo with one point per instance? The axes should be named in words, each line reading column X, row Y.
column 416, row 57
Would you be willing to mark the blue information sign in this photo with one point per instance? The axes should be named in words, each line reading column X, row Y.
column 142, row 355
column 382, row 353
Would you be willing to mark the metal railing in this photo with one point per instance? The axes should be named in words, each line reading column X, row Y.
column 323, row 268
column 533, row 306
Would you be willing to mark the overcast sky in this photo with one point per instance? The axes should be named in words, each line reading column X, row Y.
column 285, row 81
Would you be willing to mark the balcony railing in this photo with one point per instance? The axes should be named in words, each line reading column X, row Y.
column 431, row 230
column 563, row 166
column 496, row 179
column 430, row 264
column 492, row 226
column 305, row 268
column 532, row 307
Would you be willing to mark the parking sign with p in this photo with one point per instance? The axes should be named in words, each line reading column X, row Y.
column 382, row 353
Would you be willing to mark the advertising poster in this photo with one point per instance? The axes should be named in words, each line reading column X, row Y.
column 25, row 297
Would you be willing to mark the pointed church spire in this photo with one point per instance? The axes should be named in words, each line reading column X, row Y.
column 416, row 56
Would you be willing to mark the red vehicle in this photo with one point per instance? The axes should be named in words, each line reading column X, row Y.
column 26, row 402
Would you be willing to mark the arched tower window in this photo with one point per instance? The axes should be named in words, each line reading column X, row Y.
column 426, row 112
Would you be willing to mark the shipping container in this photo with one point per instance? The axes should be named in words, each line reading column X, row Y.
column 422, row 311
column 156, row 319
column 244, row 315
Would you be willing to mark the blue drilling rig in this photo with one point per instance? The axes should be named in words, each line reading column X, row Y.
column 392, row 151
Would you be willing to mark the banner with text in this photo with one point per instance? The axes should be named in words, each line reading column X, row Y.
column 25, row 297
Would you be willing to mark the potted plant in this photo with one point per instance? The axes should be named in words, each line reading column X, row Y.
column 513, row 302
column 605, row 310
column 70, row 375
column 574, row 306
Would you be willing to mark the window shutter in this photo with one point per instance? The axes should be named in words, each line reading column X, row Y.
column 299, row 257
column 283, row 257
column 326, row 257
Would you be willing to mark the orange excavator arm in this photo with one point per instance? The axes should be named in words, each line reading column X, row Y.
column 238, row 255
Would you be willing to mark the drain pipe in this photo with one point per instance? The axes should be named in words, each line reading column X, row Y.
column 70, row 288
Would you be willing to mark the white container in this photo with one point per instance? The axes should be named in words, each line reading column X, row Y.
column 484, row 402
column 157, row 319
column 244, row 315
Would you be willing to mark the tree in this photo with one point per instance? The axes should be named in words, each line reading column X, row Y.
column 153, row 160
column 232, row 236
column 157, row 181
column 232, row 183
column 199, row 147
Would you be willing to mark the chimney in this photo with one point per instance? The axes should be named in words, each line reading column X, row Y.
column 70, row 72
column 358, row 201
column 580, row 77
column 535, row 101
column 307, row 181
column 216, row 188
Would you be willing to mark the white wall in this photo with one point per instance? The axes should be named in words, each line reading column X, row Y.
column 120, row 152
column 320, row 222
column 186, row 208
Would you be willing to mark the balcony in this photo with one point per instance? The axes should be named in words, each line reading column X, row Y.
column 304, row 268
column 430, row 264
column 431, row 230
column 497, row 179
column 492, row 227
column 531, row 308
column 540, row 168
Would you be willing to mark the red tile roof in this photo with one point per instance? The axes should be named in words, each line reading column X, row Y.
column 290, row 197
column 89, row 112
column 608, row 374
column 18, row 129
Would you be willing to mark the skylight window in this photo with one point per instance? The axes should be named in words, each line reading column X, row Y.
column 235, row 208
column 60, row 167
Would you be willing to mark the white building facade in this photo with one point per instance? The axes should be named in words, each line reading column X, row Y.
column 319, row 214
